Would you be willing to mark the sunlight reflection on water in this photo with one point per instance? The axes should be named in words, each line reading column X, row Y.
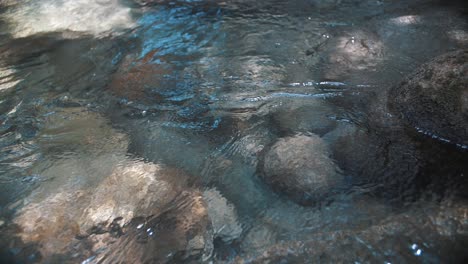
column 87, row 16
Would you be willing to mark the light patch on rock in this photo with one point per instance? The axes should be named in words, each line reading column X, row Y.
column 51, row 222
column 259, row 237
column 301, row 166
column 180, row 232
column 460, row 36
column 133, row 189
column 88, row 16
column 223, row 216
column 7, row 79
column 406, row 20
column 130, row 190
column 363, row 50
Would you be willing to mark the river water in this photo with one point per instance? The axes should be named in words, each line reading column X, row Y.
column 99, row 96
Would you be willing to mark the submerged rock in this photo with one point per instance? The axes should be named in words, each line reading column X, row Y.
column 132, row 190
column 136, row 77
column 361, row 50
column 401, row 237
column 383, row 159
column 223, row 216
column 300, row 116
column 90, row 198
column 434, row 99
column 260, row 236
column 301, row 166
column 101, row 216
column 181, row 232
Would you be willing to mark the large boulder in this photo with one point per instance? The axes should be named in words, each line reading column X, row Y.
column 301, row 166
column 434, row 99
column 106, row 216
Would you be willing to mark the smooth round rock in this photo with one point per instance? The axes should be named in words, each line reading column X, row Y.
column 301, row 167
column 434, row 99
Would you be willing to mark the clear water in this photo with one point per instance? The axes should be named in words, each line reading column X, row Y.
column 99, row 96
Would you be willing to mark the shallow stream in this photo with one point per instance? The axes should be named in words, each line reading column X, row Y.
column 98, row 96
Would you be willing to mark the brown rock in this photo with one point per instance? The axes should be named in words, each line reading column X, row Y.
column 108, row 215
column 136, row 77
column 180, row 233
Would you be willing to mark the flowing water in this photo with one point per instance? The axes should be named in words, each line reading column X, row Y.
column 135, row 131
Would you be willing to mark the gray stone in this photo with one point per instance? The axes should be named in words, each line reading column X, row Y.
column 313, row 116
column 223, row 216
column 301, row 167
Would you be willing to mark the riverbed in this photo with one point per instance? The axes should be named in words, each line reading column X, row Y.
column 136, row 132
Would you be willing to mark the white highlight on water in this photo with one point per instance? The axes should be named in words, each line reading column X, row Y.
column 89, row 16
column 7, row 78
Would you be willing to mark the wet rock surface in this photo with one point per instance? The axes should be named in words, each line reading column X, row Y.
column 96, row 192
column 138, row 78
column 434, row 99
column 301, row 166
column 223, row 216
column 314, row 116
column 99, row 218
column 181, row 232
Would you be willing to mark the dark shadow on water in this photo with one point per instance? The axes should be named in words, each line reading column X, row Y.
column 13, row 250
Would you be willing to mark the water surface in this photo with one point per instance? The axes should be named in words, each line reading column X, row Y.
column 120, row 118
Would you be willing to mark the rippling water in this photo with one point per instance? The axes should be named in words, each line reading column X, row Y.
column 136, row 131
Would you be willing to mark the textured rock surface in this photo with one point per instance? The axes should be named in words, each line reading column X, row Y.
column 223, row 216
column 132, row 190
column 181, row 233
column 434, row 99
column 91, row 197
column 397, row 238
column 301, row 167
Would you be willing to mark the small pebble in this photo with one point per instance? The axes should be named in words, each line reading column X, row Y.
column 2, row 223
